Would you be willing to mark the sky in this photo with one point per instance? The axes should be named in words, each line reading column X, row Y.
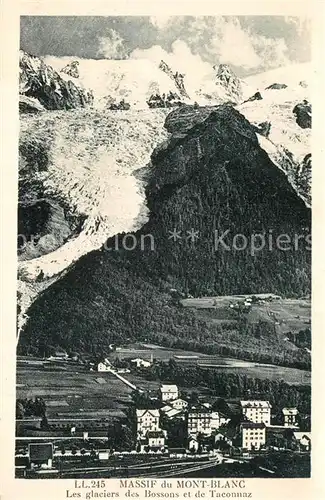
column 249, row 44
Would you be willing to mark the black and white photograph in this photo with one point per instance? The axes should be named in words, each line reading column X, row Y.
column 164, row 249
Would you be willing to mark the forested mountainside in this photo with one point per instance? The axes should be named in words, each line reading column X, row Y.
column 210, row 175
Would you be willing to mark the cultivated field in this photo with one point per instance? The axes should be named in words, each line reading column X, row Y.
column 289, row 315
column 74, row 391
column 220, row 363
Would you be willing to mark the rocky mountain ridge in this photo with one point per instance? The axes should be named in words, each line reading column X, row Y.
column 210, row 174
column 40, row 81
column 76, row 166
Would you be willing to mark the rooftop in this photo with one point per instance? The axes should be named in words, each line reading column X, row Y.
column 252, row 425
column 289, row 411
column 153, row 412
column 169, row 388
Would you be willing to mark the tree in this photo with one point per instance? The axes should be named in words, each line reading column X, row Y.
column 44, row 423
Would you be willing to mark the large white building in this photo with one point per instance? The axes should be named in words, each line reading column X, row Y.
column 257, row 411
column 290, row 417
column 147, row 420
column 199, row 421
column 205, row 421
column 168, row 392
column 253, row 435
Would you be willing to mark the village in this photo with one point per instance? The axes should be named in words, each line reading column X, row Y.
column 166, row 423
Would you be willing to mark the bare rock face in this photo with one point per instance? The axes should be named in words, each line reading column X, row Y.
column 277, row 86
column 256, row 97
column 43, row 226
column 303, row 177
column 177, row 77
column 164, row 101
column 230, row 81
column 302, row 112
column 263, row 128
column 121, row 105
column 29, row 105
column 42, row 82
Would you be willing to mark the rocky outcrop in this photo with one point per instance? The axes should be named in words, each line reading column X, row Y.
column 229, row 81
column 29, row 105
column 302, row 112
column 210, row 176
column 164, row 101
column 42, row 82
column 303, row 178
column 121, row 105
column 256, row 97
column 277, row 86
column 177, row 77
column 43, row 226
column 263, row 128
column 71, row 69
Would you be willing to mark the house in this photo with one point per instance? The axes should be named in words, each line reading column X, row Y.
column 257, row 411
column 166, row 408
column 290, row 417
column 253, row 435
column 147, row 420
column 152, row 441
column 169, row 392
column 156, row 439
column 304, row 440
column 193, row 444
column 199, row 420
column 141, row 363
column 179, row 404
column 104, row 366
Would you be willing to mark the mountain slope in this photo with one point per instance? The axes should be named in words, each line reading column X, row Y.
column 76, row 186
column 282, row 91
column 211, row 174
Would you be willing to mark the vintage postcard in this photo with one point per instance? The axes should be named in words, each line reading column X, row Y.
column 160, row 340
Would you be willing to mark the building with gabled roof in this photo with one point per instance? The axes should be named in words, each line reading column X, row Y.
column 169, row 392
column 179, row 404
column 290, row 416
column 147, row 420
column 304, row 440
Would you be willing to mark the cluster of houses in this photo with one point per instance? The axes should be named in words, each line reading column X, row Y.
column 107, row 366
column 202, row 421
